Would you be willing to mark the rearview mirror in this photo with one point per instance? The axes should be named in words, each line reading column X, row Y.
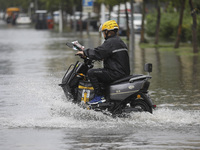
column 70, row 44
column 148, row 67
column 75, row 45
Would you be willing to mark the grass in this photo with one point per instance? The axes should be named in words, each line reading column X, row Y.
column 184, row 48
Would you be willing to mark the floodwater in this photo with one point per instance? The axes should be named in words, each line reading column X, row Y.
column 35, row 115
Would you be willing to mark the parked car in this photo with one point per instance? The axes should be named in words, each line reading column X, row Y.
column 93, row 24
column 56, row 16
column 93, row 21
column 137, row 22
column 122, row 22
column 23, row 19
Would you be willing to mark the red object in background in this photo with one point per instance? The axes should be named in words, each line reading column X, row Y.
column 50, row 23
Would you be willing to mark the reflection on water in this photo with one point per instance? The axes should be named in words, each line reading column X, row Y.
column 34, row 108
column 175, row 78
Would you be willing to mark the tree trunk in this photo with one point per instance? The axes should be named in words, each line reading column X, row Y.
column 142, row 38
column 74, row 21
column 194, row 28
column 81, row 23
column 158, row 21
column 110, row 10
column 127, row 24
column 88, row 24
column 178, row 37
column 118, row 14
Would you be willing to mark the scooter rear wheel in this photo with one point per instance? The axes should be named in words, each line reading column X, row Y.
column 141, row 106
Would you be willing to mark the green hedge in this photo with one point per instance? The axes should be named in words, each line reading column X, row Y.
column 169, row 26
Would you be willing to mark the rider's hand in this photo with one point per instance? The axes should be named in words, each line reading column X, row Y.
column 81, row 54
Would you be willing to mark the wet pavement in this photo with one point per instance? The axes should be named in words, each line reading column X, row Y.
column 34, row 113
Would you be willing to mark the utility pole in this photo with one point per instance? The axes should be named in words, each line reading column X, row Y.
column 103, row 18
column 102, row 13
column 36, row 5
column 60, row 20
column 74, row 22
column 132, row 38
column 88, row 24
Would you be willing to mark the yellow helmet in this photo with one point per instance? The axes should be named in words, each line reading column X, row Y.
column 109, row 25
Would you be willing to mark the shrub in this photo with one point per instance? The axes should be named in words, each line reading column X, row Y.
column 169, row 26
column 150, row 24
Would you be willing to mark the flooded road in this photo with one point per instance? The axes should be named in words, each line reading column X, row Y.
column 35, row 115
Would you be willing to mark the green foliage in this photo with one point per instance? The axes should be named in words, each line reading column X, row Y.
column 111, row 2
column 169, row 26
column 151, row 24
column 22, row 4
column 50, row 5
column 185, row 50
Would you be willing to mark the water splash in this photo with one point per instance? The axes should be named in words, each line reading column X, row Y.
column 35, row 105
column 168, row 117
column 54, row 112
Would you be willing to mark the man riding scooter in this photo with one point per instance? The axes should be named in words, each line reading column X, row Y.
column 114, row 54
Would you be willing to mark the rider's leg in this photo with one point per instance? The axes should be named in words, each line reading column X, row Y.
column 98, row 76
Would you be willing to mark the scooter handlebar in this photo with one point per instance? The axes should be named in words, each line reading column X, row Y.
column 76, row 46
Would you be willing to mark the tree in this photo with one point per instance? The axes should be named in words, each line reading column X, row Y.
column 127, row 21
column 142, row 38
column 178, row 37
column 111, row 3
column 23, row 4
column 194, row 27
column 158, row 21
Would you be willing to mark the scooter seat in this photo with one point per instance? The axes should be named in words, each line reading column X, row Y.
column 127, row 78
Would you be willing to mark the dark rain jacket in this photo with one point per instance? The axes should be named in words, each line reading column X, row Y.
column 114, row 54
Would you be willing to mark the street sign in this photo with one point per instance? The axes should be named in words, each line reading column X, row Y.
column 87, row 5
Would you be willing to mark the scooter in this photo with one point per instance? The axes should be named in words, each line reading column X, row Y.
column 126, row 95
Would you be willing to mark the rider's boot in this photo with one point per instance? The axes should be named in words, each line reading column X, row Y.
column 98, row 98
